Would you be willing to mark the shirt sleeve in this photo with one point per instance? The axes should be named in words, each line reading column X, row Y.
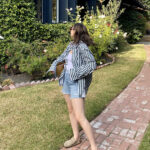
column 59, row 59
column 89, row 64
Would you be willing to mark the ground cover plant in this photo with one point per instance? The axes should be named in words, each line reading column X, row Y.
column 145, row 144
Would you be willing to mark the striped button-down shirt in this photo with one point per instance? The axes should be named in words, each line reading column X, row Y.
column 83, row 65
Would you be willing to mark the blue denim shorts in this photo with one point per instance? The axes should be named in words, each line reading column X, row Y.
column 71, row 87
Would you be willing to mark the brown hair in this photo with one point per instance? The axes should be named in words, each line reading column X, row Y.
column 81, row 33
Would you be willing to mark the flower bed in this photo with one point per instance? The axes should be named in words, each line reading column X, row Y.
column 109, row 59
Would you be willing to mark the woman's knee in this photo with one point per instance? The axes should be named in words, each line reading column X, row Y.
column 70, row 109
column 80, row 117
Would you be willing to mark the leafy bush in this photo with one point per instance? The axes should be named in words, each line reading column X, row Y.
column 18, row 20
column 1, row 79
column 33, row 58
column 34, row 53
column 133, row 23
column 7, row 82
column 146, row 4
column 118, row 44
column 102, row 27
column 49, row 32
column 38, row 64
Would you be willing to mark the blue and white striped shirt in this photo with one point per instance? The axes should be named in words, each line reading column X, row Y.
column 83, row 65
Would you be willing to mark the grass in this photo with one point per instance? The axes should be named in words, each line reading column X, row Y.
column 36, row 118
column 145, row 144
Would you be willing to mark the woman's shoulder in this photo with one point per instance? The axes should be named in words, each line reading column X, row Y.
column 83, row 45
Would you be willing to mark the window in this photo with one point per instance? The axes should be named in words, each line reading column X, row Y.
column 38, row 7
column 54, row 11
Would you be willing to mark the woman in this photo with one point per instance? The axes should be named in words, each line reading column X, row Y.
column 75, row 79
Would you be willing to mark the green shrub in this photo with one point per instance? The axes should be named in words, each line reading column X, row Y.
column 7, row 82
column 133, row 23
column 147, row 25
column 33, row 58
column 3, row 56
column 18, row 20
column 35, row 53
column 134, row 36
column 1, row 79
column 49, row 32
column 118, row 44
column 102, row 27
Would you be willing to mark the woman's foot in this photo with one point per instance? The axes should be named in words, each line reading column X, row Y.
column 72, row 142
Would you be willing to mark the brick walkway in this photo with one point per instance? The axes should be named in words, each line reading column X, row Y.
column 122, row 124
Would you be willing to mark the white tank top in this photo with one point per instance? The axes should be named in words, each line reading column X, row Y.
column 68, row 61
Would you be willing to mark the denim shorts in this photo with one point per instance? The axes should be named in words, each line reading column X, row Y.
column 71, row 87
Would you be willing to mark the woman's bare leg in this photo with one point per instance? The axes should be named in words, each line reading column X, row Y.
column 78, row 108
column 73, row 120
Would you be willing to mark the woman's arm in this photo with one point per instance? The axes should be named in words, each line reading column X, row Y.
column 89, row 64
column 59, row 59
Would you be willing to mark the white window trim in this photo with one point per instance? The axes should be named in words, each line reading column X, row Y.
column 57, row 13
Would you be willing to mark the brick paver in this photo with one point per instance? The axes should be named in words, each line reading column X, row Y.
column 122, row 124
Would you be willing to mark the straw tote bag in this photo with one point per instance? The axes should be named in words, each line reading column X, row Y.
column 59, row 68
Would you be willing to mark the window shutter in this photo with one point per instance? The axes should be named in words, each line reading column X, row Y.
column 63, row 16
column 47, row 11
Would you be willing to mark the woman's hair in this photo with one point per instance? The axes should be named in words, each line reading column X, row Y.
column 81, row 33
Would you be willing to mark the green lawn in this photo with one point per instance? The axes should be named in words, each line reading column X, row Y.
column 36, row 118
column 145, row 144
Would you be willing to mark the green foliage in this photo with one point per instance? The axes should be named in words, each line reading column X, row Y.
column 33, row 58
column 145, row 143
column 32, row 47
column 18, row 19
column 7, row 82
column 102, row 27
column 112, row 10
column 3, row 56
column 118, row 44
column 133, row 23
column 0, row 78
column 146, row 4
column 147, row 25
column 22, row 55
column 135, row 35
column 37, row 63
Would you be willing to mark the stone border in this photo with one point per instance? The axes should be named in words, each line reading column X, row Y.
column 23, row 84
column 109, row 63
